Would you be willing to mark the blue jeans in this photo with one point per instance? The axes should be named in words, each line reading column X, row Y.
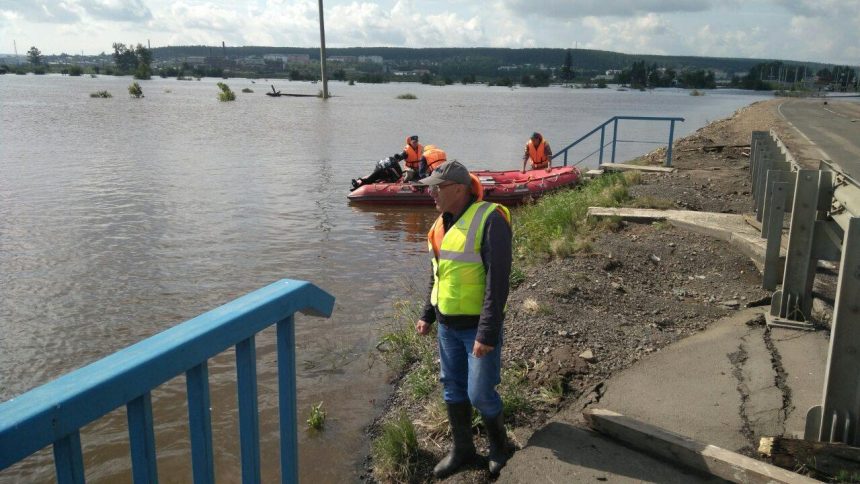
column 465, row 377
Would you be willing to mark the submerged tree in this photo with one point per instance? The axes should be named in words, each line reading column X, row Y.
column 567, row 68
column 135, row 91
column 226, row 93
column 34, row 55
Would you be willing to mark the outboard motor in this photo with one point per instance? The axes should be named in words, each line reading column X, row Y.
column 387, row 170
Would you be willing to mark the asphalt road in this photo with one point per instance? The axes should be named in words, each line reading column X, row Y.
column 834, row 127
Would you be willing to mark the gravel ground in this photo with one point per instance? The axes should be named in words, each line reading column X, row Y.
column 642, row 287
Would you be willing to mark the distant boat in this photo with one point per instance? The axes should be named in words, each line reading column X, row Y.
column 275, row 93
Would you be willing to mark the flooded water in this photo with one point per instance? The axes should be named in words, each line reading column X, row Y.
column 122, row 217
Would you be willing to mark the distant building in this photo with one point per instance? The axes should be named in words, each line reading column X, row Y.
column 613, row 72
column 275, row 57
column 195, row 60
column 253, row 61
column 374, row 59
column 342, row 58
column 298, row 59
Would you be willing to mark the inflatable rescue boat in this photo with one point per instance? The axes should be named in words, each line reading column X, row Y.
column 505, row 187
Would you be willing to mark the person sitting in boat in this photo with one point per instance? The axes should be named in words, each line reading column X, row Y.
column 387, row 170
column 538, row 152
column 411, row 156
column 431, row 159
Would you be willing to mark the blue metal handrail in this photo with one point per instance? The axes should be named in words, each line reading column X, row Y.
column 55, row 412
column 615, row 140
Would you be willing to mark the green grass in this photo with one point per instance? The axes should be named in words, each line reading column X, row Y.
column 407, row 96
column 395, row 450
column 316, row 421
column 101, row 94
column 556, row 226
column 514, row 391
column 400, row 345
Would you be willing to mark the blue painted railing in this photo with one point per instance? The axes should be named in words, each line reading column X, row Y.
column 614, row 120
column 55, row 412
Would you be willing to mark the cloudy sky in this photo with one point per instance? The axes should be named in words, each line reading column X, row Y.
column 813, row 30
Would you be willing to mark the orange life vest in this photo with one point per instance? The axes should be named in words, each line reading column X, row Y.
column 538, row 154
column 434, row 157
column 413, row 155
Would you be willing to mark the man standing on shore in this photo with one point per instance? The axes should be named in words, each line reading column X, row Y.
column 470, row 249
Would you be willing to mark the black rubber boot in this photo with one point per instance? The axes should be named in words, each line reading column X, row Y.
column 463, row 448
column 498, row 438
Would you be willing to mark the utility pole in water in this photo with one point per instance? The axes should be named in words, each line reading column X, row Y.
column 322, row 53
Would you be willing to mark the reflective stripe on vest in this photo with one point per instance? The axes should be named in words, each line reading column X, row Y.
column 459, row 276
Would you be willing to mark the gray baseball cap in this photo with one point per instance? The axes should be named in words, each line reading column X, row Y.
column 449, row 171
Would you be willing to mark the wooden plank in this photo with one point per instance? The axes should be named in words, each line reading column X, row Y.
column 623, row 167
column 688, row 452
column 830, row 458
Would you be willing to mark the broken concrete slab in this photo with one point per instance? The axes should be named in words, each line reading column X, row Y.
column 626, row 167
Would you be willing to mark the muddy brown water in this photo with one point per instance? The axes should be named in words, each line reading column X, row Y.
column 120, row 218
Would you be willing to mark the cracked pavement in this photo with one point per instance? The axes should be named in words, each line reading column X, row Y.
column 728, row 386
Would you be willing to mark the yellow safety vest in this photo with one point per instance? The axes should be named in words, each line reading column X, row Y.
column 459, row 277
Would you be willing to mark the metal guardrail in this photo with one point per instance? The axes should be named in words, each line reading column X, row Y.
column 825, row 225
column 614, row 120
column 55, row 412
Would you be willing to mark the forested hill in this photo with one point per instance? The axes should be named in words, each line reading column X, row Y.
column 583, row 59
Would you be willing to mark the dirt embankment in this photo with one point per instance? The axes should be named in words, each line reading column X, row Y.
column 641, row 287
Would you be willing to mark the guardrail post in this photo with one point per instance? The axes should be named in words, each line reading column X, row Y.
column 782, row 175
column 772, row 273
column 614, row 137
column 756, row 146
column 835, row 420
column 792, row 306
column 671, row 137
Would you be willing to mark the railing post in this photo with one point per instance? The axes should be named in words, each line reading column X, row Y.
column 602, row 136
column 142, row 439
column 614, row 137
column 200, row 424
column 287, row 407
column 68, row 460
column 249, row 425
column 671, row 137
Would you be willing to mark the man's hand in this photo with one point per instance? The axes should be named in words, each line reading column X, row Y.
column 422, row 327
column 548, row 169
column 480, row 349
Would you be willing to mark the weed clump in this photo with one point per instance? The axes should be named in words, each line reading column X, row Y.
column 226, row 93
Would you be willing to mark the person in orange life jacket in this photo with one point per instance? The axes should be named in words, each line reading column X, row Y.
column 537, row 150
column 432, row 158
column 411, row 155
column 470, row 248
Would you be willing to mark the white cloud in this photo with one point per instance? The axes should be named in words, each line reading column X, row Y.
column 600, row 8
column 649, row 34
column 42, row 12
column 118, row 10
